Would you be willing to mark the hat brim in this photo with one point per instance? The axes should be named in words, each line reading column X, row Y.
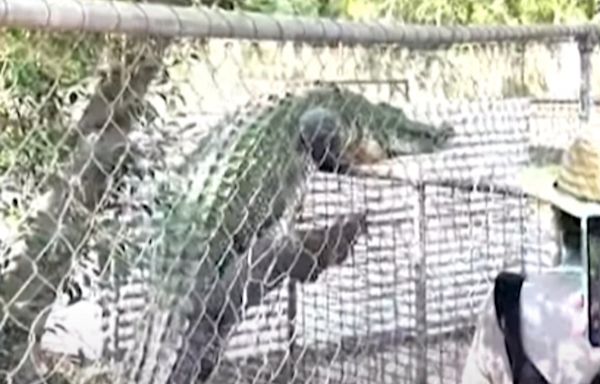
column 541, row 184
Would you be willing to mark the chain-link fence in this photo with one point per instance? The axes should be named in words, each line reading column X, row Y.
column 241, row 198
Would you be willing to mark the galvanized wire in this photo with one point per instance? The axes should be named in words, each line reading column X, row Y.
column 177, row 21
column 396, row 302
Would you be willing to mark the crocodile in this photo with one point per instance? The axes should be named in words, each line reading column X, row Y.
column 301, row 255
column 244, row 181
column 261, row 160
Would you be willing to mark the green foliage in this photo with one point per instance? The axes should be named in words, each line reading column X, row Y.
column 435, row 11
column 312, row 8
column 36, row 69
column 36, row 61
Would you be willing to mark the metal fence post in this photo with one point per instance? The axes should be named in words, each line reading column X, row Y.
column 586, row 47
column 292, row 310
column 421, row 290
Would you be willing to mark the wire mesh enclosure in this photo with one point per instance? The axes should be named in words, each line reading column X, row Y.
column 245, row 199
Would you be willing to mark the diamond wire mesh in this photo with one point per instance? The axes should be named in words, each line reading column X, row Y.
column 397, row 306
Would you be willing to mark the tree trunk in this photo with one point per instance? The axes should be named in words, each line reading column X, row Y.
column 62, row 218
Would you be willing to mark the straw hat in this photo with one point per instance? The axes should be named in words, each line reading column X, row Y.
column 574, row 185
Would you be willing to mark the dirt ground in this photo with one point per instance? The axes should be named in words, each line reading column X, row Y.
column 370, row 365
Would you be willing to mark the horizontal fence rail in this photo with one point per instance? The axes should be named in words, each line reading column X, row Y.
column 177, row 21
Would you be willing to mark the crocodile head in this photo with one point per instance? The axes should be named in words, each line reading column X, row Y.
column 384, row 126
column 399, row 135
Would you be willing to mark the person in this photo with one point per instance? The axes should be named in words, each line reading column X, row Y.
column 533, row 329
